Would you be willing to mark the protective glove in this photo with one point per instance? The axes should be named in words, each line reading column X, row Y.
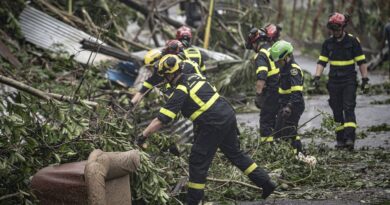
column 365, row 86
column 286, row 111
column 316, row 82
column 173, row 149
column 259, row 100
column 140, row 141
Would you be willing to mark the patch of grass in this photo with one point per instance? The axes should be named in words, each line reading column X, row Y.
column 383, row 88
column 380, row 102
column 379, row 128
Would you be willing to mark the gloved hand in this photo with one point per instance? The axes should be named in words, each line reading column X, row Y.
column 365, row 86
column 286, row 111
column 173, row 149
column 316, row 82
column 259, row 100
column 140, row 141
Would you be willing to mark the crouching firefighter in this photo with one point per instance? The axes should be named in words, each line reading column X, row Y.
column 291, row 101
column 199, row 101
column 267, row 83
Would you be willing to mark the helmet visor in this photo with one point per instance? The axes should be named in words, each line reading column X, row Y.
column 334, row 27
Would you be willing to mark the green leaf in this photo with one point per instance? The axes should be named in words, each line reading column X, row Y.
column 57, row 157
column 20, row 157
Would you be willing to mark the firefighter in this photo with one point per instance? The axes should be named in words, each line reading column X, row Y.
column 199, row 101
column 291, row 100
column 260, row 40
column 342, row 50
column 184, row 35
column 151, row 59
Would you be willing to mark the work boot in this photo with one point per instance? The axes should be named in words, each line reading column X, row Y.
column 350, row 144
column 268, row 188
column 340, row 144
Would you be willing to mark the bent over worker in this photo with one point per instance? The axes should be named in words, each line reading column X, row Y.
column 291, row 100
column 342, row 51
column 199, row 101
column 267, row 83
column 151, row 60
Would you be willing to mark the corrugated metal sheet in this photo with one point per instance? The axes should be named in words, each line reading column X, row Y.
column 49, row 33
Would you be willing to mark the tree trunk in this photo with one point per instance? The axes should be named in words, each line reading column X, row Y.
column 306, row 16
column 138, row 7
column 315, row 21
column 292, row 23
column 331, row 6
column 362, row 22
column 280, row 11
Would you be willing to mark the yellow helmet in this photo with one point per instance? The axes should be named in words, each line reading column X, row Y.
column 152, row 56
column 168, row 64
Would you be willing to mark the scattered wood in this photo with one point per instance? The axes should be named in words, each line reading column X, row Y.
column 73, row 20
column 377, row 59
column 7, row 54
column 46, row 96
column 144, row 11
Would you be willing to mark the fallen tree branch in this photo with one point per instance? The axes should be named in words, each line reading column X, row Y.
column 138, row 7
column 47, row 96
column 233, row 181
column 7, row 54
column 9, row 196
column 71, row 19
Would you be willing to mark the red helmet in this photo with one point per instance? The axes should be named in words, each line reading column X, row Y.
column 255, row 35
column 184, row 35
column 273, row 32
column 337, row 21
column 173, row 47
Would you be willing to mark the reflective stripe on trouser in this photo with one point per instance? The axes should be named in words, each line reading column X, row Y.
column 287, row 128
column 207, row 138
column 268, row 114
column 340, row 132
column 342, row 101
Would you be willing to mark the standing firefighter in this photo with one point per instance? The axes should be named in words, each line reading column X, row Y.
column 184, row 35
column 291, row 100
column 260, row 40
column 199, row 101
column 342, row 51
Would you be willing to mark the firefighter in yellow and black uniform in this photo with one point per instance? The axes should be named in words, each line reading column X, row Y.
column 292, row 103
column 199, row 101
column 342, row 51
column 184, row 35
column 267, row 83
column 151, row 60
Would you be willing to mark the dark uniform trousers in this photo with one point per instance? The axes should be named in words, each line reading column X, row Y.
column 268, row 112
column 287, row 128
column 207, row 139
column 342, row 100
